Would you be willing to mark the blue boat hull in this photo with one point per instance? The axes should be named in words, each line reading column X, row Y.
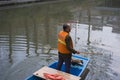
column 76, row 70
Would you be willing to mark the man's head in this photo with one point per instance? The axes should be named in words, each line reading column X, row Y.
column 66, row 27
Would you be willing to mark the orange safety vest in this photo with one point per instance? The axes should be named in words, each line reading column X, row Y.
column 62, row 44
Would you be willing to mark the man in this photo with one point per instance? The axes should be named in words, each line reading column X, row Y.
column 65, row 48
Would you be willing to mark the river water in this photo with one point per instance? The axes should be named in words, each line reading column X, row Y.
column 27, row 33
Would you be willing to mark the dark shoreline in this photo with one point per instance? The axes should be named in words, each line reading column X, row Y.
column 21, row 3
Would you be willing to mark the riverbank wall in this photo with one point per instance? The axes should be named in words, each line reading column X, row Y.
column 4, row 3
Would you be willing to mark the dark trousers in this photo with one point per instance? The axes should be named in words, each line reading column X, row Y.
column 64, row 58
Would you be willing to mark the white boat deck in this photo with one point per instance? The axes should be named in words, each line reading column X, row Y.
column 49, row 70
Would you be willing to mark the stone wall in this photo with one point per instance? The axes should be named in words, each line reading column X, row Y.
column 13, row 2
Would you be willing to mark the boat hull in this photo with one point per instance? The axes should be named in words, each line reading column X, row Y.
column 76, row 70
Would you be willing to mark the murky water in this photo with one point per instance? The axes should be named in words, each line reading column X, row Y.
column 27, row 32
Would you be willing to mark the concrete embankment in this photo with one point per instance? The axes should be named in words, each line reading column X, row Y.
column 18, row 2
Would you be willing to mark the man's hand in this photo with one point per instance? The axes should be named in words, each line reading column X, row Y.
column 78, row 52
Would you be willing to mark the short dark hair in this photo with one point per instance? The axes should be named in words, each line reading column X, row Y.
column 65, row 26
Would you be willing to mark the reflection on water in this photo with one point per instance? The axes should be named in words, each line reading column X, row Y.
column 99, row 65
column 28, row 33
column 100, row 50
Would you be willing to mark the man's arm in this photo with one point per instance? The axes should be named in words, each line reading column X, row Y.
column 67, row 40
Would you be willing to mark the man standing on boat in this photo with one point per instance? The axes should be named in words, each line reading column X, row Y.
column 65, row 48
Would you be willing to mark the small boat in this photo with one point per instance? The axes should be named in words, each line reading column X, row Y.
column 78, row 69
